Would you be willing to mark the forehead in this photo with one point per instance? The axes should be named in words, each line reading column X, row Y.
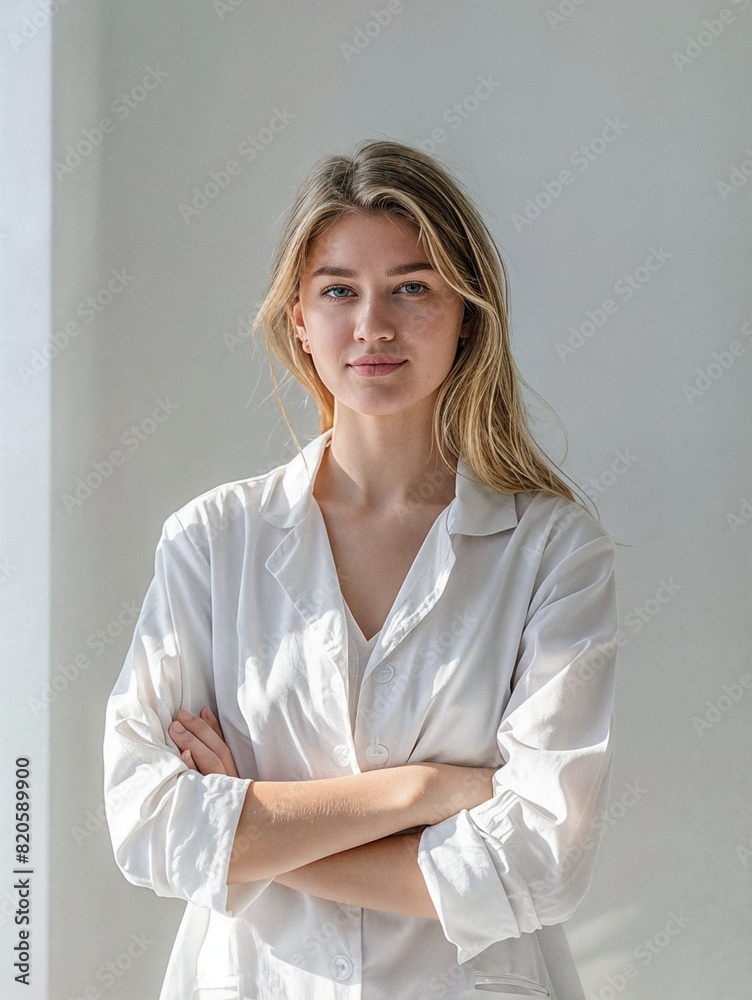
column 366, row 237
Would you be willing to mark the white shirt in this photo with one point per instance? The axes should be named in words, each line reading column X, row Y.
column 359, row 653
column 499, row 651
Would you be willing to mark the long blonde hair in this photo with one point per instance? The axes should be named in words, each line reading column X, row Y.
column 479, row 412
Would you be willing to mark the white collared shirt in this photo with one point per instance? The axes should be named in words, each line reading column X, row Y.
column 359, row 654
column 498, row 651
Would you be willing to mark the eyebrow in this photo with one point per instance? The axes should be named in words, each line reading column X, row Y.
column 345, row 272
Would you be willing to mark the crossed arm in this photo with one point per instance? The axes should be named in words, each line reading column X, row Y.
column 381, row 875
column 313, row 824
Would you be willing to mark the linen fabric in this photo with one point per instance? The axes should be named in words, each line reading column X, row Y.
column 499, row 651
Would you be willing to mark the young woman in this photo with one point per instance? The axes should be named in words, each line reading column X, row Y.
column 364, row 724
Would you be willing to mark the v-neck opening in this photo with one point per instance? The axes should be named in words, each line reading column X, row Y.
column 361, row 633
column 409, row 577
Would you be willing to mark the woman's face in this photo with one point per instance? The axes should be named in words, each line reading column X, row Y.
column 368, row 289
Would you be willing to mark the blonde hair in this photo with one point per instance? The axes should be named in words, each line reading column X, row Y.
column 479, row 413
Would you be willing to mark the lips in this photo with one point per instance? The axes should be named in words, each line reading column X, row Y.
column 376, row 359
column 373, row 365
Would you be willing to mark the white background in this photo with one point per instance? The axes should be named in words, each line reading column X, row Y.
column 658, row 426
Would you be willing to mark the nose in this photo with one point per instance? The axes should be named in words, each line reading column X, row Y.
column 374, row 320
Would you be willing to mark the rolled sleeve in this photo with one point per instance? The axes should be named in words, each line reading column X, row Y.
column 525, row 857
column 172, row 829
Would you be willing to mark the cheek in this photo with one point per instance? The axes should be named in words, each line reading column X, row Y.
column 446, row 308
column 325, row 326
column 439, row 324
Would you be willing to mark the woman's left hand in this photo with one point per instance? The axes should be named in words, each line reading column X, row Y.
column 201, row 743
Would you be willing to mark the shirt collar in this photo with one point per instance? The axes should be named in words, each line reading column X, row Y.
column 477, row 509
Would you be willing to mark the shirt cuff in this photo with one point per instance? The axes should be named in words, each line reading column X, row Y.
column 464, row 886
column 199, row 851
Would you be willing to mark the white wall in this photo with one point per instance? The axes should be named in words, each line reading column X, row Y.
column 668, row 467
column 25, row 518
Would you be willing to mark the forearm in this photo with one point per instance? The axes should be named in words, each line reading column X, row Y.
column 382, row 875
column 285, row 825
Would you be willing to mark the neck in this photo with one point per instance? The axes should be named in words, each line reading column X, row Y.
column 379, row 463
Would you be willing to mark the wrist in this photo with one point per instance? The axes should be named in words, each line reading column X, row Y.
column 413, row 789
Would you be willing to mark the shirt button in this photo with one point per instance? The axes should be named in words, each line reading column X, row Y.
column 377, row 753
column 342, row 967
column 342, row 754
column 383, row 673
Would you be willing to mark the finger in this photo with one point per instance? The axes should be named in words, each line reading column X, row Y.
column 209, row 717
column 188, row 759
column 206, row 734
column 204, row 759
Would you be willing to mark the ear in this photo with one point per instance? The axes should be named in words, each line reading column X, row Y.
column 296, row 315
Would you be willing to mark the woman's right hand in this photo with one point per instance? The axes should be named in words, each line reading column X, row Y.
column 444, row 789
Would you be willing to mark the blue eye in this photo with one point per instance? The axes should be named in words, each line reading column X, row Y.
column 417, row 286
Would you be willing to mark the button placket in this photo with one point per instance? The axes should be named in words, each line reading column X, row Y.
column 377, row 753
column 383, row 673
column 342, row 967
column 342, row 754
column 421, row 589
